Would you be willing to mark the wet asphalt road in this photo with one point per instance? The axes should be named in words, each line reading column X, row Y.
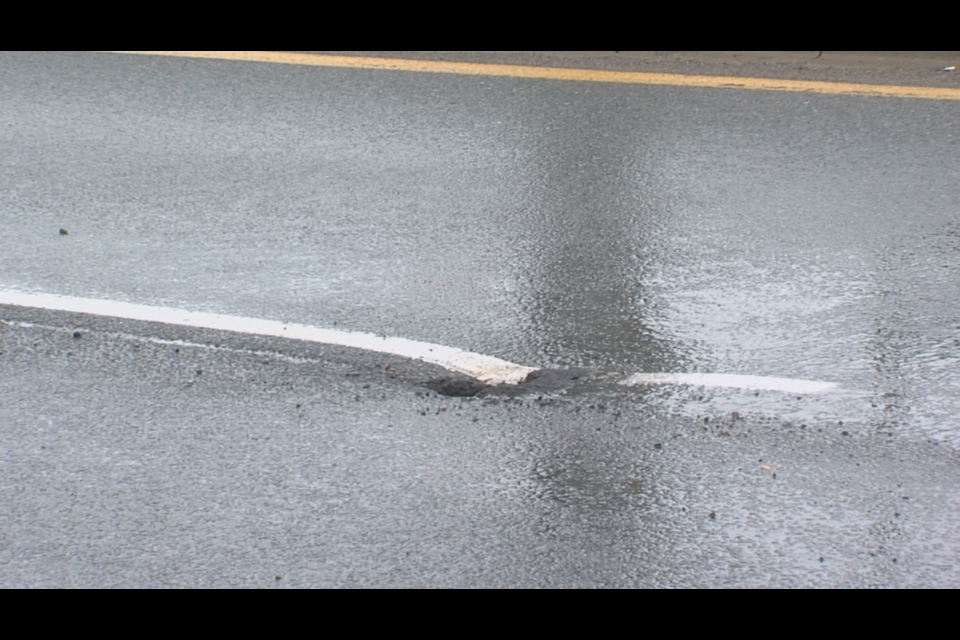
column 620, row 229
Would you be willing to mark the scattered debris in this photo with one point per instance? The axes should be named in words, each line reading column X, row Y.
column 64, row 232
column 951, row 68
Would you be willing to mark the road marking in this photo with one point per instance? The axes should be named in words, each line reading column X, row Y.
column 486, row 369
column 560, row 73
column 732, row 381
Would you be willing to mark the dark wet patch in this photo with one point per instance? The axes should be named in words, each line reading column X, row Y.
column 456, row 386
column 547, row 380
column 542, row 381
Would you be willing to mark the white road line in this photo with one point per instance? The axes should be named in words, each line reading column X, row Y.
column 760, row 383
column 484, row 368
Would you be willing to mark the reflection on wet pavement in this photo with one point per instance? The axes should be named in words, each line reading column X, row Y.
column 627, row 228
column 748, row 241
column 620, row 229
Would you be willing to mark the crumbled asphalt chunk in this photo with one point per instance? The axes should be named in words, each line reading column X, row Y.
column 459, row 387
column 542, row 381
column 552, row 379
column 538, row 382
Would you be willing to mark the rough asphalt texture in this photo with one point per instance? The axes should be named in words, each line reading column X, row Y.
column 595, row 230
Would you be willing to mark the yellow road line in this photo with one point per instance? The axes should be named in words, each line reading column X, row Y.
column 581, row 75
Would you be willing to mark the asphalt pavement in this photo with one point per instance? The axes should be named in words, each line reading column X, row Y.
column 597, row 230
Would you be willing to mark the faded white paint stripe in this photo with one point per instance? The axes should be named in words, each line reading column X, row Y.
column 484, row 368
column 759, row 383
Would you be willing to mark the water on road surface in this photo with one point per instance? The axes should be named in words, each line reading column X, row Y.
column 616, row 228
column 644, row 229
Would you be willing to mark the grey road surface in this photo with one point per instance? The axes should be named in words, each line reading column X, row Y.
column 613, row 229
